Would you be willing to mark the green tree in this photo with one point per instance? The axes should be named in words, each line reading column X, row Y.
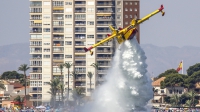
column 172, row 81
column 61, row 88
column 78, row 94
column 24, row 68
column 53, row 90
column 183, row 98
column 68, row 66
column 167, row 72
column 90, row 77
column 167, row 99
column 193, row 69
column 19, row 100
column 2, row 86
column 175, row 100
column 11, row 75
column 74, row 74
column 193, row 97
column 188, row 103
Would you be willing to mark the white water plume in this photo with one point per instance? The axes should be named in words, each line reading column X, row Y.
column 128, row 86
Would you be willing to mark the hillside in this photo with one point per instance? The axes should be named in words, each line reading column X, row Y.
column 159, row 59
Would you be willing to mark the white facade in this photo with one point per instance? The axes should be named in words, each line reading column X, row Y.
column 60, row 29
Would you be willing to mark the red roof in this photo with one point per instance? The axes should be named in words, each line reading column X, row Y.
column 16, row 85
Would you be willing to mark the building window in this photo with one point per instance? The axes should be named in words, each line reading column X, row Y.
column 90, row 36
column 119, row 22
column 126, row 16
column 135, row 3
column 126, row 23
column 118, row 9
column 90, row 23
column 46, row 43
column 180, row 91
column 131, row 3
column 46, row 29
column 135, row 9
column 131, row 16
column 118, row 2
column 118, row 16
column 68, row 42
column 47, row 50
column 170, row 91
column 126, row 9
column 68, row 3
column 162, row 91
column 130, row 9
column 46, row 56
column 68, row 16
column 126, row 3
column 68, row 56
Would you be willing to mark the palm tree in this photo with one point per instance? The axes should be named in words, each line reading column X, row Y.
column 2, row 86
column 74, row 74
column 188, row 103
column 90, row 76
column 175, row 99
column 96, row 66
column 68, row 66
column 78, row 94
column 61, row 88
column 61, row 66
column 24, row 68
column 53, row 89
column 192, row 94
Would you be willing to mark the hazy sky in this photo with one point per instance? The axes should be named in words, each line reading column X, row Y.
column 179, row 27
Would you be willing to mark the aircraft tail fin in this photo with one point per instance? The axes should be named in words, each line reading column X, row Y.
column 111, row 28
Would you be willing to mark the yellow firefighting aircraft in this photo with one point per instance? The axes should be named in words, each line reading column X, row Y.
column 127, row 33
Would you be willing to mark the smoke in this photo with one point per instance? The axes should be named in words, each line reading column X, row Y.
column 128, row 86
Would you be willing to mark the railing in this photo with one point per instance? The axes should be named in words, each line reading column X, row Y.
column 35, row 18
column 36, row 51
column 35, row 5
column 80, row 64
column 35, row 91
column 35, row 44
column 58, row 44
column 80, row 11
column 80, row 24
column 104, row 11
column 58, row 18
column 58, row 38
column 104, row 57
column 35, row 78
column 59, row 25
column 36, row 98
column 81, row 84
column 35, row 11
column 58, row 31
column 81, row 71
column 35, row 58
column 82, row 31
column 80, row 51
column 103, row 64
column 104, row 18
column 36, row 71
column 105, row 4
column 80, row 18
column 104, row 51
column 102, row 71
column 35, row 64
column 59, row 58
column 103, row 31
column 36, row 24
column 80, row 37
column 58, row 11
column 36, row 31
column 58, row 51
column 80, row 44
column 80, row 78
column 79, row 57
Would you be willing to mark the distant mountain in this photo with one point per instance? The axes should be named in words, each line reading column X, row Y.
column 159, row 59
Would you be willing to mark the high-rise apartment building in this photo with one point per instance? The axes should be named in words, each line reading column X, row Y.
column 60, row 29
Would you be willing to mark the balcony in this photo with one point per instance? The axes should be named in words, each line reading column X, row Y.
column 58, row 44
column 104, row 51
column 58, row 31
column 80, row 23
column 79, row 51
column 35, row 44
column 35, row 3
column 36, row 98
column 36, row 31
column 58, row 11
column 80, row 10
column 80, row 3
column 79, row 43
column 35, row 91
column 104, row 64
column 36, row 51
column 36, row 64
column 80, row 57
column 36, row 71
column 80, row 79
column 80, row 31
column 105, row 3
column 36, row 58
column 58, row 38
column 80, row 84
column 102, row 71
column 80, row 64
column 36, row 24
column 58, row 58
column 105, row 11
